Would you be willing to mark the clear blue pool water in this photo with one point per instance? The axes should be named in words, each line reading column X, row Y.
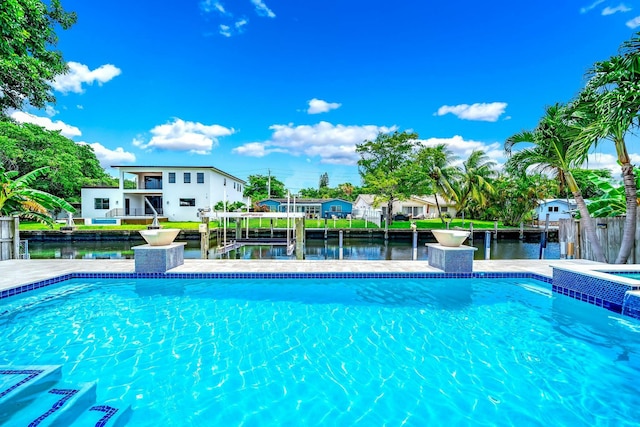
column 629, row 275
column 322, row 352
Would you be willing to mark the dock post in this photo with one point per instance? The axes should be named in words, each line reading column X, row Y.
column 325, row 229
column 521, row 230
column 495, row 228
column 205, row 237
column 340, row 241
column 471, row 231
column 299, row 225
column 415, row 244
column 487, row 245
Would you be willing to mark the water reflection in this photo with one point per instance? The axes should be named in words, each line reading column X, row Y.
column 353, row 249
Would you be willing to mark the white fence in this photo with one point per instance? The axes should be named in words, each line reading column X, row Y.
column 371, row 215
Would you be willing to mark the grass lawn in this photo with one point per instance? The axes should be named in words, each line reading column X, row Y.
column 423, row 224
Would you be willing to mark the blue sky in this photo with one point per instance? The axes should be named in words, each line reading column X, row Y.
column 292, row 86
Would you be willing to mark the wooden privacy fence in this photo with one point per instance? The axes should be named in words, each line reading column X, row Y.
column 609, row 232
column 9, row 238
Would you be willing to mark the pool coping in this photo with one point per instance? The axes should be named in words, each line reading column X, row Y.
column 21, row 274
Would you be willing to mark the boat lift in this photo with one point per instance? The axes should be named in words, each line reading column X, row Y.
column 295, row 235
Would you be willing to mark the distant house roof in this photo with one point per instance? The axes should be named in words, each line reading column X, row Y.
column 309, row 201
column 367, row 198
column 570, row 202
column 429, row 200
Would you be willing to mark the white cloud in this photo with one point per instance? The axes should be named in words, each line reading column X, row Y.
column 184, row 136
column 317, row 106
column 80, row 73
column 108, row 157
column 333, row 144
column 609, row 161
column 224, row 30
column 65, row 129
column 488, row 112
column 634, row 23
column 239, row 24
column 210, row 6
column 591, row 6
column 50, row 111
column 611, row 10
column 262, row 9
column 462, row 148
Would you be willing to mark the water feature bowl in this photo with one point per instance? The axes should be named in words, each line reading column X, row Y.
column 160, row 237
column 450, row 238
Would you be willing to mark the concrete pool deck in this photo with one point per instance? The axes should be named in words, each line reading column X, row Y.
column 14, row 273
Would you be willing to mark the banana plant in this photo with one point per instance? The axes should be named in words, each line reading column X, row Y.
column 612, row 202
column 17, row 197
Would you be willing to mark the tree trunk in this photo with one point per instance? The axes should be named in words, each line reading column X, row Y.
column 631, row 195
column 389, row 211
column 585, row 218
column 435, row 196
column 586, row 222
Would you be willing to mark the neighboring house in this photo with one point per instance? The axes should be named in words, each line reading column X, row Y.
column 415, row 206
column 312, row 208
column 176, row 192
column 556, row 208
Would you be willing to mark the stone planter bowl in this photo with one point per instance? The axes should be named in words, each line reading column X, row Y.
column 450, row 238
column 160, row 237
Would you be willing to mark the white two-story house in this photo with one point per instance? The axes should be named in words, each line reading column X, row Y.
column 175, row 192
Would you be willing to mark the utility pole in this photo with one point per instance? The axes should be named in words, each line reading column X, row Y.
column 269, row 185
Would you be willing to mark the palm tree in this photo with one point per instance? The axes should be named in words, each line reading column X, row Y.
column 18, row 198
column 436, row 176
column 607, row 109
column 475, row 180
column 551, row 140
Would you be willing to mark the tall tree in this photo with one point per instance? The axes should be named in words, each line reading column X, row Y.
column 18, row 197
column 516, row 196
column 385, row 166
column 551, row 140
column 258, row 187
column 28, row 62
column 475, row 181
column 324, row 181
column 435, row 174
column 607, row 109
column 26, row 147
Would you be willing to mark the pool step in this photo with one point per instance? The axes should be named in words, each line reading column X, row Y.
column 58, row 406
column 20, row 386
column 35, row 396
column 103, row 416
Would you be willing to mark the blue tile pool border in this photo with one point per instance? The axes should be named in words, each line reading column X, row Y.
column 292, row 275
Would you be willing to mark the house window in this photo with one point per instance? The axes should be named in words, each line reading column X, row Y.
column 336, row 208
column 200, row 178
column 187, row 178
column 225, row 182
column 99, row 203
column 444, row 209
column 153, row 182
column 172, row 177
column 552, row 209
column 187, row 202
column 234, row 185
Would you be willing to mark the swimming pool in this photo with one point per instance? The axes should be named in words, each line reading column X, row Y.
column 629, row 274
column 337, row 351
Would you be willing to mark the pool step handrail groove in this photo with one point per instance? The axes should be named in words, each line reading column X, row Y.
column 36, row 396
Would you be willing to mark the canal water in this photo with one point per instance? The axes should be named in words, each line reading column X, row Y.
column 354, row 249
